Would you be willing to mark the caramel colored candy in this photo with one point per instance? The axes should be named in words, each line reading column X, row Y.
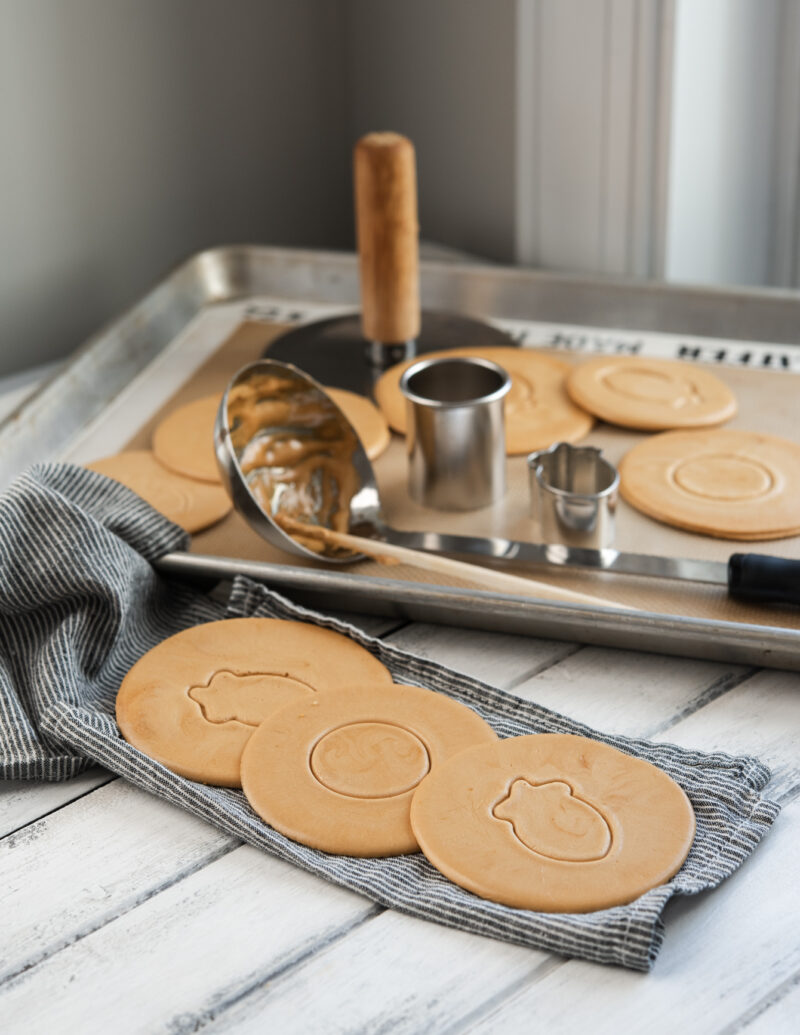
column 553, row 822
column 193, row 701
column 184, row 440
column 538, row 411
column 369, row 423
column 651, row 394
column 191, row 504
column 724, row 483
column 338, row 772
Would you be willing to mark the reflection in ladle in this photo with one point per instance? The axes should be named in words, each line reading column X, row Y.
column 296, row 454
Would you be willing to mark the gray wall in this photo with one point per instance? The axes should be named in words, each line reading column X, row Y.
column 135, row 132
column 443, row 73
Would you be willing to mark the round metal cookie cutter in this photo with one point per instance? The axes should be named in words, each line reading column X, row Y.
column 574, row 492
column 456, row 440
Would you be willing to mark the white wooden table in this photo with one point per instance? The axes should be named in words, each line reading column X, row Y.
column 121, row 913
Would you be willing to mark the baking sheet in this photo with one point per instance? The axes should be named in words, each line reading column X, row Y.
column 767, row 402
column 134, row 364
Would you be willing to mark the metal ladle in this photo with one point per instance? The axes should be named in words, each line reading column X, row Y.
column 290, row 458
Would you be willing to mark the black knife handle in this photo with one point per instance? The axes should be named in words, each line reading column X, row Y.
column 766, row 580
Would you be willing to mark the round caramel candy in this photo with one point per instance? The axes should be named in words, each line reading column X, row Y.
column 553, row 822
column 538, row 411
column 193, row 701
column 724, row 483
column 651, row 394
column 338, row 772
column 189, row 503
column 184, row 440
column 369, row 423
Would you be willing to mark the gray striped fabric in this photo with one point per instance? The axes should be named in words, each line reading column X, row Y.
column 79, row 603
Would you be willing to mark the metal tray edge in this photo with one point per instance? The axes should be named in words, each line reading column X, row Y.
column 701, row 638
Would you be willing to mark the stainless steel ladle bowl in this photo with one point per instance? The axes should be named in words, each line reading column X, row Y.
column 289, row 457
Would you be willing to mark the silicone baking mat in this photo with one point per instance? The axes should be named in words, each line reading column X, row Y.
column 767, row 402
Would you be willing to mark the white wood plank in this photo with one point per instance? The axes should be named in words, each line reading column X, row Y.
column 77, row 869
column 431, row 951
column 25, row 801
column 719, row 954
column 760, row 717
column 778, row 1016
column 625, row 691
column 497, row 659
column 341, row 989
column 181, row 956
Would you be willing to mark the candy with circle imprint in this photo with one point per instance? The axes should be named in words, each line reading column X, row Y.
column 194, row 700
column 368, row 421
column 338, row 772
column 184, row 440
column 650, row 394
column 725, row 483
column 553, row 822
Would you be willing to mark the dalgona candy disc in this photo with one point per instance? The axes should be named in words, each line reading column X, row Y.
column 184, row 440
column 338, row 772
column 725, row 483
column 651, row 394
column 553, row 823
column 194, row 700
column 369, row 423
column 192, row 504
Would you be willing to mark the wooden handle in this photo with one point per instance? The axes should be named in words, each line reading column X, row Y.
column 385, row 174
column 486, row 578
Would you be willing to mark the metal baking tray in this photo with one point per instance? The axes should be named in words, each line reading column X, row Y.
column 100, row 371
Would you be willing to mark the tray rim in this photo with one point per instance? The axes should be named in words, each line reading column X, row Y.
column 125, row 346
column 746, row 643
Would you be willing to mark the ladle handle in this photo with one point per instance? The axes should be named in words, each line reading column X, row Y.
column 385, row 176
column 486, row 578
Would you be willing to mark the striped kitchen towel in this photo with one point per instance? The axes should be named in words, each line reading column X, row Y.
column 80, row 602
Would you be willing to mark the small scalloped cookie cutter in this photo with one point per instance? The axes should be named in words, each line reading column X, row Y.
column 574, row 492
